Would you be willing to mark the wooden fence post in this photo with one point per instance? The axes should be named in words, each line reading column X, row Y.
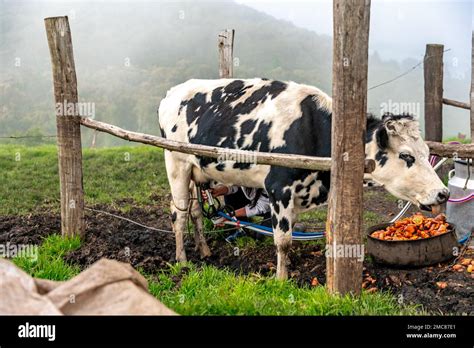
column 472, row 89
column 226, row 55
column 68, row 126
column 349, row 90
column 433, row 74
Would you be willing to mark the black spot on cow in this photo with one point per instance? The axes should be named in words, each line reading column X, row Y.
column 261, row 140
column 298, row 188
column 304, row 203
column 381, row 157
column 195, row 107
column 182, row 105
column 322, row 196
column 274, row 221
column 162, row 132
column 234, row 87
column 284, row 224
column 246, row 128
column 373, row 123
column 305, row 197
column 205, row 161
column 325, row 178
column 382, row 138
column 174, row 217
column 175, row 127
column 276, row 208
column 259, row 96
column 216, row 95
column 285, row 197
column 220, row 167
column 241, row 166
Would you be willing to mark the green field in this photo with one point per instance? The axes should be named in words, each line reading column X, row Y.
column 130, row 176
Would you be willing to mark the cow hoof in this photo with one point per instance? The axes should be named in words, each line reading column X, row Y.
column 205, row 252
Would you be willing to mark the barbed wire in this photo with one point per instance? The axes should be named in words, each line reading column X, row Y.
column 27, row 136
column 405, row 73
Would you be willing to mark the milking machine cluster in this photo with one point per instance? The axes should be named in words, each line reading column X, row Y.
column 220, row 214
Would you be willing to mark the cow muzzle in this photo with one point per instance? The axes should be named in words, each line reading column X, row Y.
column 437, row 199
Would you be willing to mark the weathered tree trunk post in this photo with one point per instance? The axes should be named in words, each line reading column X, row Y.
column 349, row 91
column 433, row 73
column 472, row 89
column 225, row 43
column 68, row 126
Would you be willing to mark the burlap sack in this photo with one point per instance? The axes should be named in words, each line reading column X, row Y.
column 19, row 294
column 107, row 287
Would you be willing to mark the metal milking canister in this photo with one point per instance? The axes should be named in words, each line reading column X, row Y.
column 460, row 206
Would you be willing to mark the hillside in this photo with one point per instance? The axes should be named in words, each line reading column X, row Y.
column 129, row 54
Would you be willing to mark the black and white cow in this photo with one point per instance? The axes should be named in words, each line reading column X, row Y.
column 281, row 117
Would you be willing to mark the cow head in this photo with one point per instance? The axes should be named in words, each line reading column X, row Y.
column 402, row 161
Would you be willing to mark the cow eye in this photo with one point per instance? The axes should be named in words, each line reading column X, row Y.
column 407, row 158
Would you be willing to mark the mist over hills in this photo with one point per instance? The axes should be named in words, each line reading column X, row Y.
column 128, row 54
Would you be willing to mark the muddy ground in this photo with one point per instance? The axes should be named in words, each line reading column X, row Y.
column 439, row 288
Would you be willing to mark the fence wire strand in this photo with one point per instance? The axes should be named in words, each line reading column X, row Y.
column 405, row 73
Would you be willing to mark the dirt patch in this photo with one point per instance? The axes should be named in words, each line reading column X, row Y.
column 152, row 251
column 28, row 229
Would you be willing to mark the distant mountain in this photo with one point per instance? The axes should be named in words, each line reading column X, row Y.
column 129, row 54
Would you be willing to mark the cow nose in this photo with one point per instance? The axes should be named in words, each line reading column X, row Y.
column 443, row 196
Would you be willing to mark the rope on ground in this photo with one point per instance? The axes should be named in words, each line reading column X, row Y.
column 150, row 227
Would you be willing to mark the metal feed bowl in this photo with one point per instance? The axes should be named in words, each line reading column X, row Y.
column 411, row 253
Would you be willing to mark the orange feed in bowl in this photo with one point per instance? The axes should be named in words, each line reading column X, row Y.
column 414, row 227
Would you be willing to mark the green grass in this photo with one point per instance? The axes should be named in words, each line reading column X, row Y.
column 462, row 141
column 318, row 215
column 210, row 291
column 48, row 263
column 30, row 179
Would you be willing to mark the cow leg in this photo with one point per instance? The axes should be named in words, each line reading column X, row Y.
column 179, row 177
column 282, row 222
column 196, row 216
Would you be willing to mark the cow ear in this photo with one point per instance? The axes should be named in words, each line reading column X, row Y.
column 382, row 138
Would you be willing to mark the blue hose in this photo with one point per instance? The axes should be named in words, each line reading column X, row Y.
column 464, row 240
column 305, row 235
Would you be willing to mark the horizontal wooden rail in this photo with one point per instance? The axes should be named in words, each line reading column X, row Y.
column 451, row 150
column 276, row 159
column 456, row 103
